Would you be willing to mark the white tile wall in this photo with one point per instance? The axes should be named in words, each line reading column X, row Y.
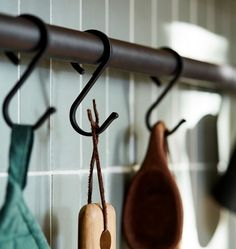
column 57, row 185
column 66, row 200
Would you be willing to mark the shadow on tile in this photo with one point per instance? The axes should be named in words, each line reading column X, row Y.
column 202, row 148
column 65, row 207
column 232, row 230
column 3, row 186
column 124, row 145
column 61, row 232
column 118, row 141
column 46, row 229
column 117, row 185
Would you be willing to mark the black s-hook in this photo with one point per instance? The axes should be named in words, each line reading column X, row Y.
column 41, row 47
column 176, row 77
column 101, row 67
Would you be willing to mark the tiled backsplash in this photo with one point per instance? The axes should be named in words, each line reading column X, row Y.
column 57, row 185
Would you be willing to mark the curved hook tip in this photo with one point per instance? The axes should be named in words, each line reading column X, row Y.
column 114, row 115
column 44, row 117
column 77, row 67
column 168, row 133
column 51, row 110
column 107, row 122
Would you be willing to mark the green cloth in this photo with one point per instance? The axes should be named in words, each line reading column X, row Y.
column 18, row 227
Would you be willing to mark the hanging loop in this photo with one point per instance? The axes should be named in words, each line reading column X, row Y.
column 41, row 47
column 177, row 74
column 97, row 73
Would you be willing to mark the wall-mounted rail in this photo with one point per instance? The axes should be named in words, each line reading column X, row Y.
column 18, row 34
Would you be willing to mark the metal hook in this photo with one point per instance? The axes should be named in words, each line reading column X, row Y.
column 42, row 46
column 177, row 75
column 101, row 67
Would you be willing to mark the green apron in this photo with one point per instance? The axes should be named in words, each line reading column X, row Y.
column 18, row 227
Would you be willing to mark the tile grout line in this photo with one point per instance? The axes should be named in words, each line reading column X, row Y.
column 131, row 21
column 176, row 167
column 175, row 9
column 157, row 45
column 132, row 140
column 50, row 138
column 175, row 107
column 114, row 169
column 51, row 124
column 153, row 43
column 107, row 132
column 193, row 12
column 81, row 104
column 18, row 6
column 211, row 15
column 81, row 86
column 228, row 27
column 18, row 76
column 154, row 23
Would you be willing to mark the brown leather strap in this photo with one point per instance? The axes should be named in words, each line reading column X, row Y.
column 90, row 179
column 95, row 158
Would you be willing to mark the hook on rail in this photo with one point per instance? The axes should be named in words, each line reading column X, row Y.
column 177, row 75
column 41, row 47
column 97, row 73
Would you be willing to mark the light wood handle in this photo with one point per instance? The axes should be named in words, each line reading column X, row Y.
column 91, row 226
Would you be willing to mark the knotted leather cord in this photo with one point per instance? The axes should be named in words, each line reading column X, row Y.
column 95, row 158
column 90, row 179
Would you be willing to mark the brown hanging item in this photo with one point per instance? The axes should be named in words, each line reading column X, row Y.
column 97, row 222
column 153, row 215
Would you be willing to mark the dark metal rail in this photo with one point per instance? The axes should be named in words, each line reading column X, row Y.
column 19, row 34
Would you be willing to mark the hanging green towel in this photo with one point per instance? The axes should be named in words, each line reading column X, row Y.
column 18, row 227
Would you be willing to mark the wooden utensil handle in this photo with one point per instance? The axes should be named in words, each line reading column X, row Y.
column 156, row 155
column 91, row 226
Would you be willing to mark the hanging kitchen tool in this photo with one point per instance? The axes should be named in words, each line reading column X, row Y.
column 152, row 215
column 18, row 227
column 97, row 222
column 97, row 73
